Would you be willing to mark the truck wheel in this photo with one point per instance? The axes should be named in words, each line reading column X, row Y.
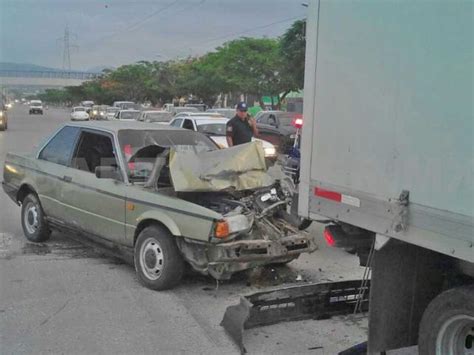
column 447, row 326
column 158, row 262
column 35, row 226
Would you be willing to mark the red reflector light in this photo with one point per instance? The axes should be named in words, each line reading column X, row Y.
column 297, row 122
column 330, row 195
column 329, row 238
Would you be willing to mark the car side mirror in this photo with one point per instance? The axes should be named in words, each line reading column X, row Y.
column 107, row 172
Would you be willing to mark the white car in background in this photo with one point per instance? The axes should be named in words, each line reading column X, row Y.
column 162, row 117
column 215, row 126
column 127, row 115
column 111, row 112
column 226, row 112
column 79, row 113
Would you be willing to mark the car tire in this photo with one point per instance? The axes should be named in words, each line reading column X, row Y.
column 447, row 325
column 35, row 227
column 158, row 261
column 304, row 224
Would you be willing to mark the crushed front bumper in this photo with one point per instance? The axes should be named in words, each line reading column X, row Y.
column 224, row 259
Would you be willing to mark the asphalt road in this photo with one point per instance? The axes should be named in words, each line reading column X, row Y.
column 66, row 297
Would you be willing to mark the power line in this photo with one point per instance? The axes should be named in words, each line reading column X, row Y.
column 136, row 24
column 252, row 29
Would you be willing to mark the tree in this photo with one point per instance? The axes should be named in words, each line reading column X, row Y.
column 292, row 54
column 251, row 66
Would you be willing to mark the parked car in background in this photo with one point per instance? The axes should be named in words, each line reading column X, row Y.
column 179, row 109
column 36, row 107
column 148, row 192
column 3, row 118
column 87, row 104
column 111, row 112
column 200, row 107
column 226, row 112
column 155, row 117
column 214, row 126
column 98, row 112
column 127, row 115
column 79, row 113
column 277, row 127
column 125, row 105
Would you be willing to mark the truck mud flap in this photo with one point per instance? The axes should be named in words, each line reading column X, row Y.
column 310, row 301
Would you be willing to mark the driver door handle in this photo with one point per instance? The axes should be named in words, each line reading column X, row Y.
column 67, row 178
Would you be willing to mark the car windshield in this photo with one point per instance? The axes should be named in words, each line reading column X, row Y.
column 79, row 109
column 129, row 115
column 112, row 109
column 158, row 116
column 147, row 144
column 215, row 129
column 36, row 104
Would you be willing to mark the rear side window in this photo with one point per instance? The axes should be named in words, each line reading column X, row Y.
column 60, row 147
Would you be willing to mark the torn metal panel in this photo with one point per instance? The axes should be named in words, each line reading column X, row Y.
column 240, row 168
column 311, row 301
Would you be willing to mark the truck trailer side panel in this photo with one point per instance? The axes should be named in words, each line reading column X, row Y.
column 388, row 108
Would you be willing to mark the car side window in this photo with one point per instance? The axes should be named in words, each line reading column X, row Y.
column 93, row 150
column 188, row 124
column 177, row 122
column 263, row 119
column 272, row 120
column 60, row 147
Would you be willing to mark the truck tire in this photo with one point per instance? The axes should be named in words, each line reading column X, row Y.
column 158, row 261
column 447, row 325
column 35, row 227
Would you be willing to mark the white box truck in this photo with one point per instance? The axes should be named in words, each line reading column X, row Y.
column 388, row 156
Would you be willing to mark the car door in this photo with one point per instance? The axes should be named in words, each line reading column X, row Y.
column 96, row 205
column 268, row 129
column 52, row 171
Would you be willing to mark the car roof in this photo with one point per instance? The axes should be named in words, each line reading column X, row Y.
column 116, row 126
column 160, row 111
column 128, row 110
column 209, row 118
column 199, row 114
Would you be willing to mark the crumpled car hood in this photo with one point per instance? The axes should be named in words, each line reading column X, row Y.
column 238, row 168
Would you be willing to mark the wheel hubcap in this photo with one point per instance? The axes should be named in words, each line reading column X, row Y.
column 456, row 337
column 31, row 218
column 151, row 259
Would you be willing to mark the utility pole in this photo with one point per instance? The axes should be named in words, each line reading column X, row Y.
column 66, row 41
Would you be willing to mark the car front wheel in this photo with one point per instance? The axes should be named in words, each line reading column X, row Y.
column 35, row 226
column 158, row 261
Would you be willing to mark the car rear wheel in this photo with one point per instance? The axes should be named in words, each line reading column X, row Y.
column 158, row 261
column 35, row 226
column 447, row 326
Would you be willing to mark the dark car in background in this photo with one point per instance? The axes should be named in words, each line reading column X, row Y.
column 278, row 128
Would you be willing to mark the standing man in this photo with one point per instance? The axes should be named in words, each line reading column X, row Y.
column 242, row 127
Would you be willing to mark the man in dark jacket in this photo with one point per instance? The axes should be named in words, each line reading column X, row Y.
column 241, row 128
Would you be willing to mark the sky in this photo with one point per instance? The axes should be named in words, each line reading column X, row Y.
column 109, row 33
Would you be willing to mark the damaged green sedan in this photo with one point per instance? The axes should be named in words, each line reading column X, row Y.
column 160, row 196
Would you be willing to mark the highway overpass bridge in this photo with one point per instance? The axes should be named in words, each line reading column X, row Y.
column 48, row 79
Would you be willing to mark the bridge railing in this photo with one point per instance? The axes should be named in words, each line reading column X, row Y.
column 49, row 74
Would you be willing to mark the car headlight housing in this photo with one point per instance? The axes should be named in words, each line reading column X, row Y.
column 94, row 112
column 1, row 113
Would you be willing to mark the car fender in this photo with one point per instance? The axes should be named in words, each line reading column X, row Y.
column 162, row 218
